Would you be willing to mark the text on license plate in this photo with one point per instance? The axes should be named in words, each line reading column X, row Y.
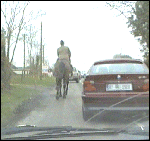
column 118, row 87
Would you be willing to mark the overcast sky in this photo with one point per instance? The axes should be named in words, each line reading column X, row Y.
column 89, row 28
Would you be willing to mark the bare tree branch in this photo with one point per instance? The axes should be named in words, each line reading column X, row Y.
column 12, row 23
column 121, row 7
column 121, row 13
column 4, row 17
column 20, row 28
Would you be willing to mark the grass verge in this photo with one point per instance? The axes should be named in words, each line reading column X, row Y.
column 11, row 99
column 20, row 92
column 47, row 81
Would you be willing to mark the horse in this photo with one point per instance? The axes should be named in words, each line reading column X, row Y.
column 62, row 77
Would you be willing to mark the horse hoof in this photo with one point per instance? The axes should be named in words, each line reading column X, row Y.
column 57, row 97
column 60, row 95
column 64, row 96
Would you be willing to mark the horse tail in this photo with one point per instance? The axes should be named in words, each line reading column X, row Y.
column 61, row 69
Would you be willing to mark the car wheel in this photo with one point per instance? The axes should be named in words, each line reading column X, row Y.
column 77, row 80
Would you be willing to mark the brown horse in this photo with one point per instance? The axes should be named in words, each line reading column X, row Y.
column 61, row 72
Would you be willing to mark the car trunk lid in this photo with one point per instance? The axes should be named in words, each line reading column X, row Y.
column 104, row 83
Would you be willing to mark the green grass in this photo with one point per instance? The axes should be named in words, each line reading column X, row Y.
column 12, row 98
column 47, row 81
column 19, row 92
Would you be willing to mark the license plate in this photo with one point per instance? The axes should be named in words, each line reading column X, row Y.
column 118, row 87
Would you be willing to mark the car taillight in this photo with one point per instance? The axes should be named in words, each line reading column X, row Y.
column 146, row 85
column 88, row 86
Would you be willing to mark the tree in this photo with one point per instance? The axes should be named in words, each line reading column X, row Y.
column 137, row 14
column 139, row 21
column 32, row 36
column 16, row 19
column 121, row 56
column 5, row 65
column 46, row 62
column 124, row 8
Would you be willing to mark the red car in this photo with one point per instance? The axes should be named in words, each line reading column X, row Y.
column 116, row 85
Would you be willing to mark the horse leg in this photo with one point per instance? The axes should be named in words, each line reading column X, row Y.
column 64, row 87
column 60, row 95
column 67, row 87
column 57, row 88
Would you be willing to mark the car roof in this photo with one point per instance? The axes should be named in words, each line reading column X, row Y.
column 119, row 60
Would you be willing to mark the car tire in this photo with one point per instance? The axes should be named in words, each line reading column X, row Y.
column 77, row 80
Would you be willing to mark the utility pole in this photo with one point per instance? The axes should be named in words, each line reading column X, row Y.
column 23, row 70
column 121, row 52
column 30, row 46
column 24, row 56
column 41, row 55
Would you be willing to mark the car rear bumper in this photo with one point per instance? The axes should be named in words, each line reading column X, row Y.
column 123, row 101
column 72, row 79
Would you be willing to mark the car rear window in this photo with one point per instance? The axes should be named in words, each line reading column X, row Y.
column 121, row 68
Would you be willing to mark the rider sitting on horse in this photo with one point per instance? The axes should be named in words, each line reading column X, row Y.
column 64, row 53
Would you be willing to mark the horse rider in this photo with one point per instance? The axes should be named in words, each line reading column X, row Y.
column 64, row 54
